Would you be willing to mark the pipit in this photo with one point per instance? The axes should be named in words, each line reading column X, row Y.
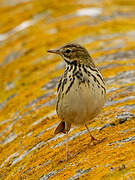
column 81, row 90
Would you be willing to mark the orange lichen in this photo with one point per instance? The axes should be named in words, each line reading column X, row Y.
column 28, row 78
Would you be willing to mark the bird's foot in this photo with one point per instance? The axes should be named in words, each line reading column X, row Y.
column 68, row 156
column 95, row 141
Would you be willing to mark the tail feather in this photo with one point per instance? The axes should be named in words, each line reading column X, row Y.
column 62, row 127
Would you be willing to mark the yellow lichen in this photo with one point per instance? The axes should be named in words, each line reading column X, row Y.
column 28, row 147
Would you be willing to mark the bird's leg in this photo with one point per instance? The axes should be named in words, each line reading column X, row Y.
column 66, row 145
column 68, row 155
column 92, row 137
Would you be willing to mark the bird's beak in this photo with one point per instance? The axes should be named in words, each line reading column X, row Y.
column 55, row 51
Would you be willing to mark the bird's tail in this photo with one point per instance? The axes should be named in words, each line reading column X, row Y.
column 62, row 127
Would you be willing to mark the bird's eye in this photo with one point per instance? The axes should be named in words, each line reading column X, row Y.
column 68, row 51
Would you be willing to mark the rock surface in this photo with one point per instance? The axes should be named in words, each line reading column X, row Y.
column 28, row 78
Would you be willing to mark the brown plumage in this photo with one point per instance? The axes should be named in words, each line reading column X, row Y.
column 81, row 89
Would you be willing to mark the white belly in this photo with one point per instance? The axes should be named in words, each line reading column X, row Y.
column 81, row 104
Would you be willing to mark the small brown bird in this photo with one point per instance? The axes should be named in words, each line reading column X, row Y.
column 81, row 90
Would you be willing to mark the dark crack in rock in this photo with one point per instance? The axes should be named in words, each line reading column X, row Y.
column 131, row 138
column 14, row 155
column 113, row 102
column 124, row 117
column 119, row 168
column 105, row 126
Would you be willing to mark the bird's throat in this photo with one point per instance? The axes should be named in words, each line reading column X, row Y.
column 71, row 62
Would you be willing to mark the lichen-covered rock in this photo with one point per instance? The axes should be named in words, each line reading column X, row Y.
column 28, row 78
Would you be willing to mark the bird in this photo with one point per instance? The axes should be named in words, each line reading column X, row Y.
column 81, row 91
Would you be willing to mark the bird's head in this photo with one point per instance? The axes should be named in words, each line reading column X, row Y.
column 74, row 54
